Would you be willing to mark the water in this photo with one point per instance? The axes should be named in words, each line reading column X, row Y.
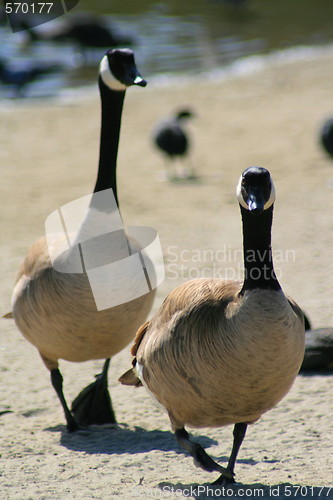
column 175, row 37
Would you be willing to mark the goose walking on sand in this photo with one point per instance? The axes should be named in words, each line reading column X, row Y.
column 56, row 311
column 224, row 352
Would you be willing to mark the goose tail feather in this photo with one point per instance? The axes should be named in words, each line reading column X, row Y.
column 8, row 316
column 130, row 378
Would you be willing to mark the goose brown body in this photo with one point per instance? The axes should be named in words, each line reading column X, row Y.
column 57, row 313
column 213, row 357
column 224, row 352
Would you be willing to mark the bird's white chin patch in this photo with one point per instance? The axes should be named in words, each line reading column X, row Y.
column 239, row 194
column 242, row 202
column 271, row 198
column 108, row 78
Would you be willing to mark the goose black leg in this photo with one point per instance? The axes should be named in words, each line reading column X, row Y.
column 93, row 405
column 239, row 434
column 200, row 457
column 56, row 379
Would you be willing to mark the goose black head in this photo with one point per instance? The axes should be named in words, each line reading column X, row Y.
column 255, row 190
column 118, row 70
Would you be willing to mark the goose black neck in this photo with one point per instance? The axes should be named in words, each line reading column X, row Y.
column 258, row 259
column 112, row 106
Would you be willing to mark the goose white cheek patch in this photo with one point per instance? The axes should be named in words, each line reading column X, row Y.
column 107, row 76
column 88, row 236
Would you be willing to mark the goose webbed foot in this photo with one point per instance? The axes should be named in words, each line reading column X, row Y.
column 200, row 457
column 57, row 381
column 223, row 481
column 93, row 404
column 72, row 425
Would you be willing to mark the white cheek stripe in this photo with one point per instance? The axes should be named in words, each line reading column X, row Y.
column 107, row 76
column 239, row 194
column 271, row 198
column 241, row 201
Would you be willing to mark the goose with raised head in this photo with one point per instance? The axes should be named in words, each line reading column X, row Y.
column 224, row 352
column 56, row 311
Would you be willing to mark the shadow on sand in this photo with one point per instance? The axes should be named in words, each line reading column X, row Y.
column 120, row 438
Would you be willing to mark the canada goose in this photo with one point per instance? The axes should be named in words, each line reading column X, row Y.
column 18, row 79
column 56, row 311
column 171, row 138
column 224, row 352
column 326, row 136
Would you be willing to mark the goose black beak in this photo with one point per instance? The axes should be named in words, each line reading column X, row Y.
column 140, row 81
column 133, row 77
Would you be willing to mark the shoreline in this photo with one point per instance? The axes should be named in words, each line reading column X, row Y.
column 241, row 67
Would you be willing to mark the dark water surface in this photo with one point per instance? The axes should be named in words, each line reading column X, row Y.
column 175, row 36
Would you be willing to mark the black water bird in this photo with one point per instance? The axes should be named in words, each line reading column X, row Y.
column 19, row 78
column 85, row 30
column 172, row 139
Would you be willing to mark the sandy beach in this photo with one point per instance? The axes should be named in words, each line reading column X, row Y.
column 48, row 157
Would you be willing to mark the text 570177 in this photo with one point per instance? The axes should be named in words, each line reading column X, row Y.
column 29, row 8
